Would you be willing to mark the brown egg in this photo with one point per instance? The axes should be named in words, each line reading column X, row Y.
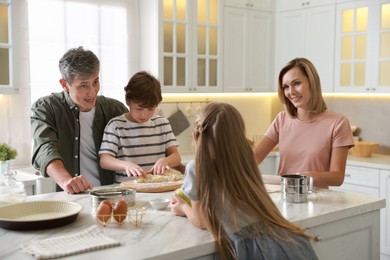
column 103, row 213
column 107, row 202
column 120, row 211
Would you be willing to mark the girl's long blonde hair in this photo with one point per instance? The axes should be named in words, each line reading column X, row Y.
column 226, row 171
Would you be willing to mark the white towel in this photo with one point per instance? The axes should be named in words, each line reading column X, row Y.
column 88, row 240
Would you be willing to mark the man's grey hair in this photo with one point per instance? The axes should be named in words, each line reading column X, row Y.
column 78, row 63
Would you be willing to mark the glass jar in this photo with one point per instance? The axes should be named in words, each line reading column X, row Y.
column 11, row 190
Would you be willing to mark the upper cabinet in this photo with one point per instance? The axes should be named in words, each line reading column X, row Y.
column 363, row 47
column 181, row 44
column 6, row 51
column 288, row 5
column 208, row 45
column 264, row 5
column 191, row 52
column 306, row 29
column 248, row 49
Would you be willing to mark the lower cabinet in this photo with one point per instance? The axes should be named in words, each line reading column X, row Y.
column 354, row 237
column 361, row 180
column 375, row 182
column 270, row 165
column 385, row 214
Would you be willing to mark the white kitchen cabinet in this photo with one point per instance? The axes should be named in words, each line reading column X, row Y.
column 385, row 214
column 363, row 47
column 248, row 50
column 285, row 5
column 270, row 165
column 264, row 5
column 191, row 52
column 360, row 180
column 350, row 238
column 307, row 32
column 182, row 44
column 375, row 182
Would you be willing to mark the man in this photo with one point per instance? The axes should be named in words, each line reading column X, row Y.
column 68, row 127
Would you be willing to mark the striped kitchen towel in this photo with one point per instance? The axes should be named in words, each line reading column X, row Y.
column 90, row 239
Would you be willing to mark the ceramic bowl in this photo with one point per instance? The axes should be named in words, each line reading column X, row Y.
column 159, row 203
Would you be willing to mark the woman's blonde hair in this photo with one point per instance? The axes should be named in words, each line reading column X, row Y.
column 317, row 103
column 226, row 171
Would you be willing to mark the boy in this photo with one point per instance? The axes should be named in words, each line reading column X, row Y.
column 139, row 142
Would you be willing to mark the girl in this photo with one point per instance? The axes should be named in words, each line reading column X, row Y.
column 228, row 197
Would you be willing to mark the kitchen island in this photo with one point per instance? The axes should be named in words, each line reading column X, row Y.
column 344, row 225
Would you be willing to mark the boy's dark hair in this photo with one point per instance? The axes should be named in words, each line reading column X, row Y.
column 144, row 89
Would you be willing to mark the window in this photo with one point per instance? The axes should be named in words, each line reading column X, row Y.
column 6, row 85
column 102, row 26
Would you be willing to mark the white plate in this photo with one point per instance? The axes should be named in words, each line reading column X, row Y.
column 35, row 215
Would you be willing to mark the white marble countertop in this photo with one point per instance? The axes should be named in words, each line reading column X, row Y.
column 380, row 161
column 163, row 235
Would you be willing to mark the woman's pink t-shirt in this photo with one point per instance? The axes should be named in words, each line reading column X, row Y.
column 307, row 146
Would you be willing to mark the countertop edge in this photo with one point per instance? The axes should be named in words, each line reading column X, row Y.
column 379, row 203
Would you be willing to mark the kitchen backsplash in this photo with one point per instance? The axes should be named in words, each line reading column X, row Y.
column 370, row 114
column 255, row 109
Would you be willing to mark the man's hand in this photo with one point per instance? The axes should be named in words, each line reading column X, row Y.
column 62, row 177
column 77, row 185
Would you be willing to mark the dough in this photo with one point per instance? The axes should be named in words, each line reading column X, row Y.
column 169, row 175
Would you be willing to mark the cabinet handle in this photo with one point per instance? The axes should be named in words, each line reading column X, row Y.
column 317, row 238
column 347, row 175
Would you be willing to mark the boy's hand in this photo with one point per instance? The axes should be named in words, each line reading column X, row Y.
column 133, row 169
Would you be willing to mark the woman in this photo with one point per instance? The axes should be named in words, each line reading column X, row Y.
column 312, row 140
column 228, row 197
